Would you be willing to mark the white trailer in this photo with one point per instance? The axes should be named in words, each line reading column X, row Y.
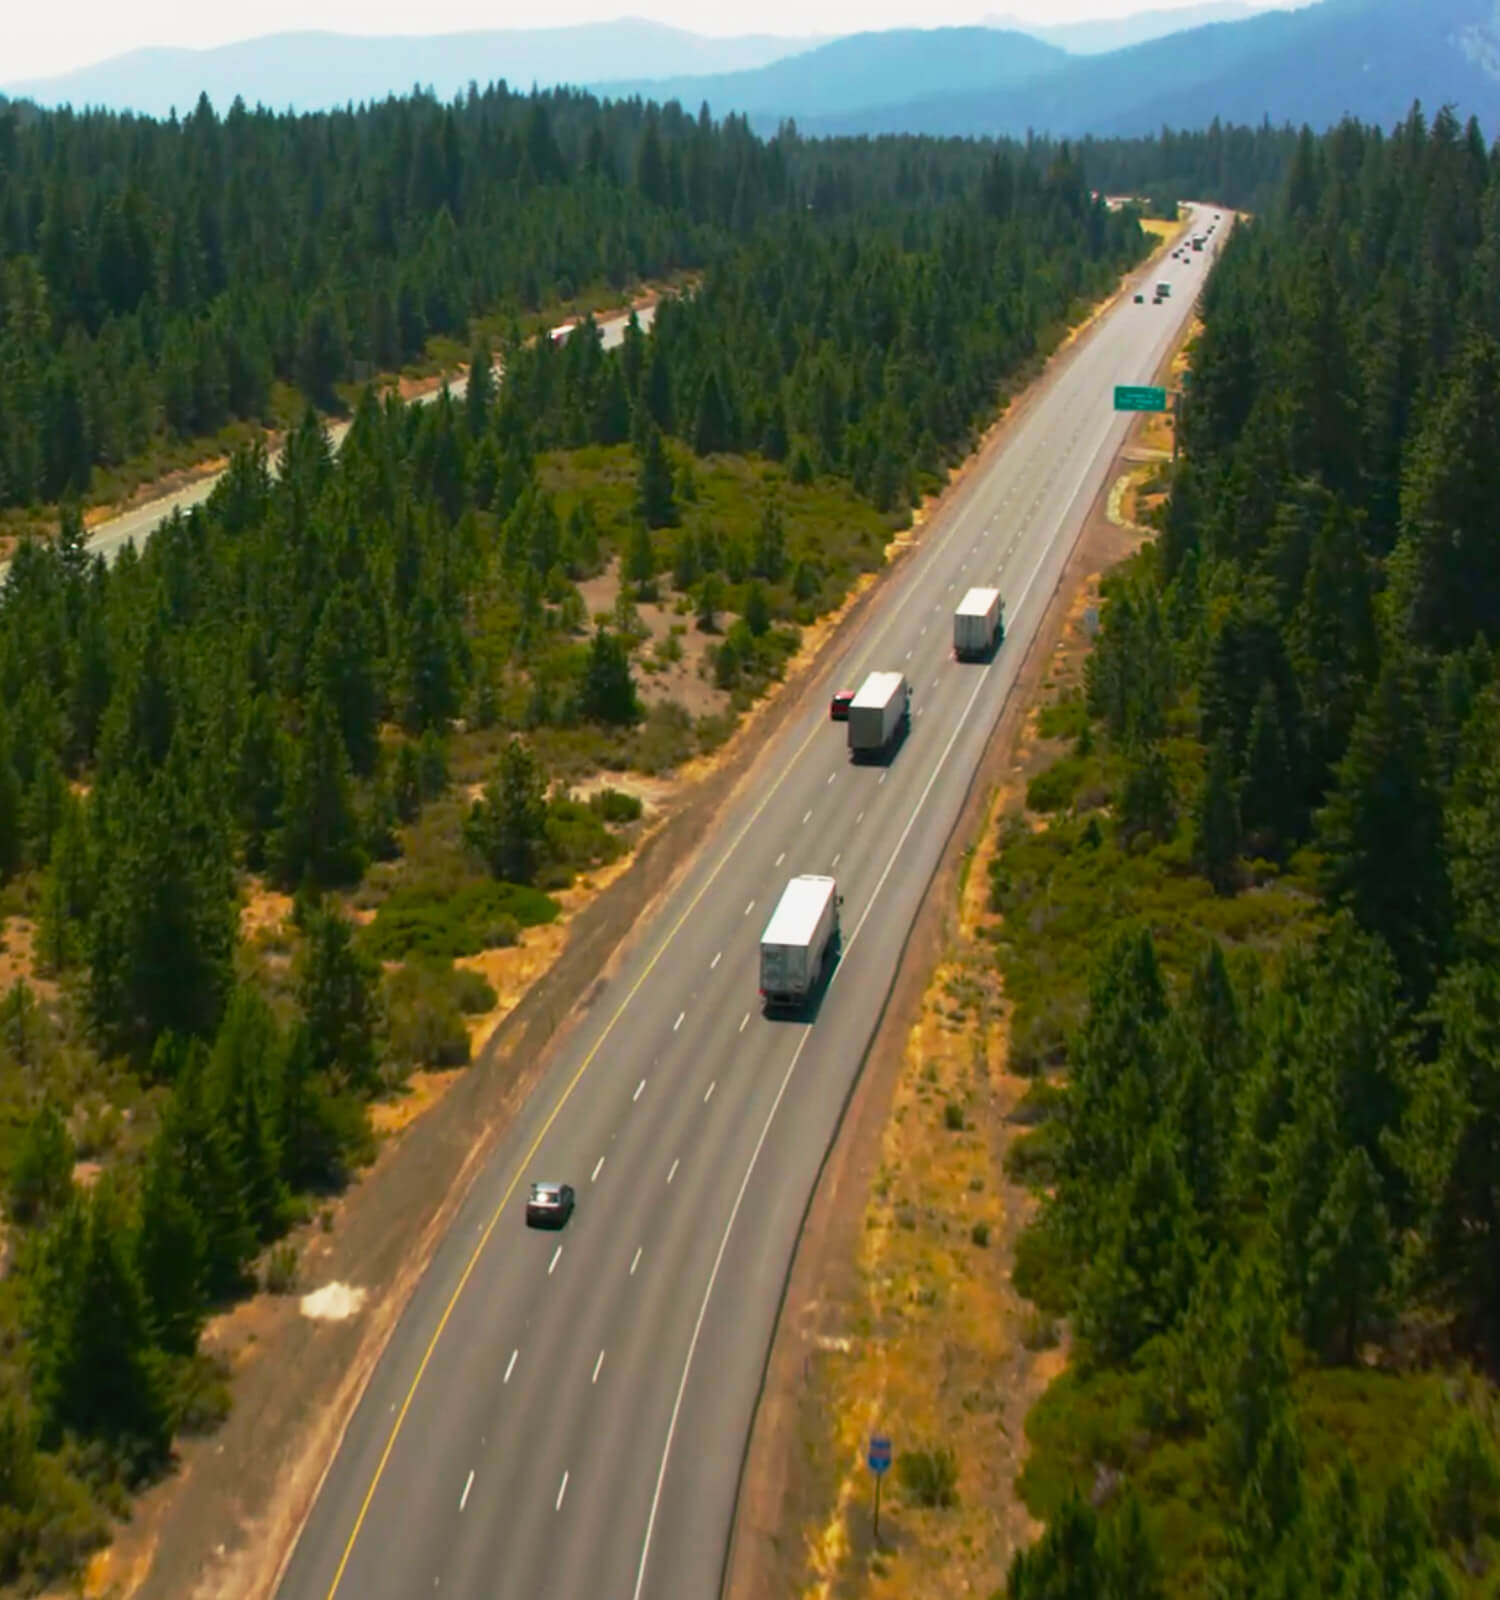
column 978, row 624
column 879, row 714
column 797, row 940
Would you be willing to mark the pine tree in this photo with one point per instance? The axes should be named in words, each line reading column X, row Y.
column 608, row 688
column 319, row 841
column 1268, row 795
column 1381, row 831
column 41, row 1173
column 170, row 1250
column 655, row 504
column 1216, row 829
column 507, row 826
column 1350, row 1259
column 336, row 990
column 102, row 1377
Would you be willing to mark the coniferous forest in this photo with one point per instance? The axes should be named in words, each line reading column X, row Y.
column 1253, row 952
column 368, row 680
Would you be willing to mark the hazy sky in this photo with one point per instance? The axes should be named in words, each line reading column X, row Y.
column 37, row 40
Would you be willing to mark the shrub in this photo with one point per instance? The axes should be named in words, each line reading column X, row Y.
column 424, row 1017
column 929, row 1477
column 473, row 993
column 980, row 1234
column 1055, row 788
column 614, row 805
column 953, row 1117
column 430, row 920
column 281, row 1269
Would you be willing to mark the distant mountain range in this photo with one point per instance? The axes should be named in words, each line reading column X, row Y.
column 309, row 71
column 842, row 80
column 1365, row 58
column 1314, row 64
column 1117, row 33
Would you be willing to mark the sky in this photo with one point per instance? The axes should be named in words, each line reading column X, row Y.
column 38, row 40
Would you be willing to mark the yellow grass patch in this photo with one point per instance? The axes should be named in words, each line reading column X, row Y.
column 423, row 1089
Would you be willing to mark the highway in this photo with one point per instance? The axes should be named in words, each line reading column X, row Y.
column 110, row 537
column 560, row 1416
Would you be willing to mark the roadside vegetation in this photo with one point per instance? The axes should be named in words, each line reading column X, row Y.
column 1250, row 950
column 270, row 787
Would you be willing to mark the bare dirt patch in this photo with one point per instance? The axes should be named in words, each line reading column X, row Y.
column 674, row 661
column 18, row 959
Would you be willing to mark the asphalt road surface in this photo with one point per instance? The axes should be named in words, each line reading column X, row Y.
column 109, row 538
column 562, row 1416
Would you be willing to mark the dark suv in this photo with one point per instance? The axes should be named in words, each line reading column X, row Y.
column 549, row 1205
column 838, row 707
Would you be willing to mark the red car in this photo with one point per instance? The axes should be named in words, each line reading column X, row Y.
column 838, row 707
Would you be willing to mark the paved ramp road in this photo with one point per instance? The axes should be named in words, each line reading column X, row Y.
column 562, row 1416
column 109, row 538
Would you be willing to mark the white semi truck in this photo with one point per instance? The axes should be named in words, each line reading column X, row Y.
column 878, row 715
column 978, row 624
column 795, row 947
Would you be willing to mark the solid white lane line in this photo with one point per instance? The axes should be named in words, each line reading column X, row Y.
column 636, row 1261
column 676, row 1025
column 597, row 1166
column 673, row 1173
column 743, row 1021
column 636, row 1096
column 463, row 1499
column 599, row 1363
column 552, row 1266
column 510, row 1366
column 709, row 1096
column 562, row 1489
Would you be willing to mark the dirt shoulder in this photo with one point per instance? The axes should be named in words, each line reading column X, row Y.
column 222, row 1523
column 899, row 1315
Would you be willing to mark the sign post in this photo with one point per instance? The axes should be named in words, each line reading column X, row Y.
column 879, row 1458
column 1139, row 397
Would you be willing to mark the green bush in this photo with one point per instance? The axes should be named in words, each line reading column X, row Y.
column 424, row 1014
column 929, row 1477
column 980, row 1234
column 473, row 993
column 425, row 920
column 953, row 1117
column 1055, row 788
column 616, row 806
column 281, row 1269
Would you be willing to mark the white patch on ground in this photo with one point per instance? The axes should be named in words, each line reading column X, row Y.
column 333, row 1302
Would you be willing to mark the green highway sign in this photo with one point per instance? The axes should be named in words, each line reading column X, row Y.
column 1135, row 397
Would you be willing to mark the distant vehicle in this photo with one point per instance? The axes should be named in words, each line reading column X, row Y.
column 838, row 707
column 978, row 624
column 549, row 1205
column 798, row 940
column 561, row 331
column 1163, row 290
column 879, row 715
column 1140, row 299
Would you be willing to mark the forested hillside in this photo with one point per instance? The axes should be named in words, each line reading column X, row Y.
column 161, row 279
column 1253, row 952
column 356, row 679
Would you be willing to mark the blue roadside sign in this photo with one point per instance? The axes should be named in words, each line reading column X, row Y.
column 880, row 1453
